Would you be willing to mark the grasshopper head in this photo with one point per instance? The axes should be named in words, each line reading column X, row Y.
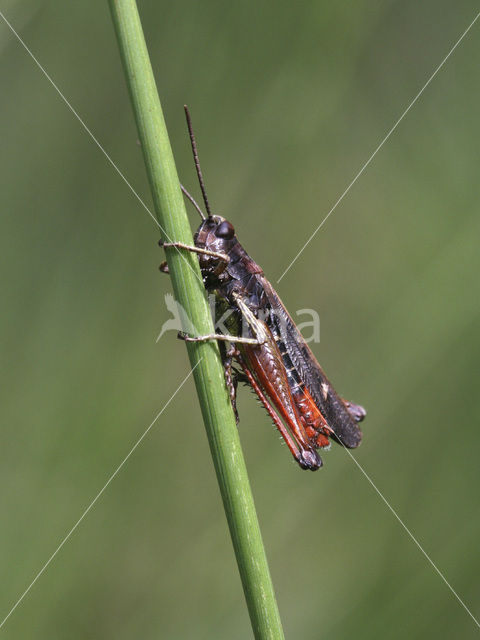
column 216, row 234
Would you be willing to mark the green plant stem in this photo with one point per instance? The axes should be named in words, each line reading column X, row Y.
column 204, row 357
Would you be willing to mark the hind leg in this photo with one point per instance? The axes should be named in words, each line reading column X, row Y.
column 357, row 412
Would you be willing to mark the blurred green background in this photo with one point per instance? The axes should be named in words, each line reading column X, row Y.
column 288, row 102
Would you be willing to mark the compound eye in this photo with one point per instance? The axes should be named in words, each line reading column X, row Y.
column 225, row 230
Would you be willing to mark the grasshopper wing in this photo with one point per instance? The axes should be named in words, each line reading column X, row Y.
column 341, row 421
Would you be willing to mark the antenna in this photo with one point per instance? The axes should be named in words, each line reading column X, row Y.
column 193, row 201
column 196, row 160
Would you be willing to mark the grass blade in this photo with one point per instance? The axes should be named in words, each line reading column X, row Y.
column 189, row 292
